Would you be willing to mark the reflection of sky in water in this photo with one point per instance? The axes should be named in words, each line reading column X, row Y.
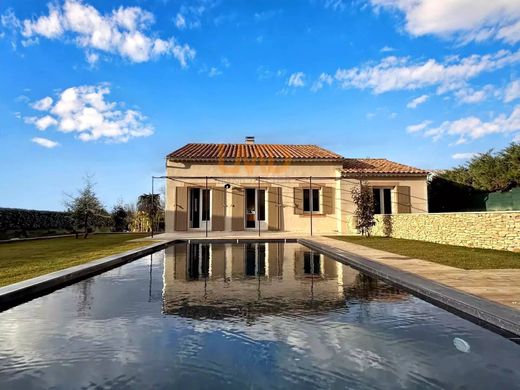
column 113, row 331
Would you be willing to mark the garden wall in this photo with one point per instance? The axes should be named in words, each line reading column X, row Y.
column 492, row 230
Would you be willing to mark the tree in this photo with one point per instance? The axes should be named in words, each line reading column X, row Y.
column 151, row 204
column 119, row 218
column 86, row 209
column 489, row 171
column 364, row 200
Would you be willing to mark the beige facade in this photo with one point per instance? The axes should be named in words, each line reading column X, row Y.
column 283, row 183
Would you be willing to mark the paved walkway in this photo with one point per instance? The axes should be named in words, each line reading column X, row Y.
column 500, row 285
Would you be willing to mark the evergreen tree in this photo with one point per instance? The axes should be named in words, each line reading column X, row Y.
column 86, row 209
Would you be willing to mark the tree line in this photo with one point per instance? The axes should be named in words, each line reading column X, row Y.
column 489, row 171
column 88, row 212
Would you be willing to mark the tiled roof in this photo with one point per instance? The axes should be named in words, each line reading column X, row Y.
column 233, row 152
column 377, row 166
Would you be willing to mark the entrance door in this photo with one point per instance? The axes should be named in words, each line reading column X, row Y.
column 255, row 208
column 200, row 203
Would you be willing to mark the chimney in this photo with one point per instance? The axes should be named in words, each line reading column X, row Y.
column 250, row 139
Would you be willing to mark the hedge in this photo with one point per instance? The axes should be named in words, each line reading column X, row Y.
column 22, row 219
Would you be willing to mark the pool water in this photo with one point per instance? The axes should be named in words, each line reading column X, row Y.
column 265, row 315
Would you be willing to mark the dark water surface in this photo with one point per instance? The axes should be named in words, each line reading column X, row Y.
column 245, row 316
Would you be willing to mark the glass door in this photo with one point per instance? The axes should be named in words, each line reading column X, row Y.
column 255, row 208
column 200, row 208
column 250, row 208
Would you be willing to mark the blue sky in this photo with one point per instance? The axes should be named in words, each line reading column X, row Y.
column 109, row 88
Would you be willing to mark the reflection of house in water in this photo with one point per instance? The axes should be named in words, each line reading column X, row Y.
column 249, row 280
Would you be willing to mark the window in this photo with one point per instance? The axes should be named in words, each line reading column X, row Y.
column 382, row 200
column 311, row 200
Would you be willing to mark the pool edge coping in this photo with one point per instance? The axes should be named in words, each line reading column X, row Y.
column 25, row 290
column 497, row 317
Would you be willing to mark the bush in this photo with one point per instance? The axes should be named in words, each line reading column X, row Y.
column 20, row 223
column 22, row 219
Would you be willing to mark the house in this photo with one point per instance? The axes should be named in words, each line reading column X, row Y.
column 295, row 188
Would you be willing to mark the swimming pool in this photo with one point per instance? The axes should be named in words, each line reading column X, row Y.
column 257, row 315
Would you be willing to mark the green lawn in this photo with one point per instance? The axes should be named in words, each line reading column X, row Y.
column 455, row 256
column 27, row 259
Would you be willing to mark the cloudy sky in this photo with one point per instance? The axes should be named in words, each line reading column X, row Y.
column 109, row 88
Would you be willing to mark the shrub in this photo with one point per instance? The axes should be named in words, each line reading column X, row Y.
column 364, row 200
column 18, row 223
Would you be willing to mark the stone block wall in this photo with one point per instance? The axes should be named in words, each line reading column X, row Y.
column 491, row 230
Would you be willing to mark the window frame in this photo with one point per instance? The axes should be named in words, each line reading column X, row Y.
column 311, row 201
column 381, row 198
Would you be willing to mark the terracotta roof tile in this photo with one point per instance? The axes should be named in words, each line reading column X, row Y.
column 225, row 152
column 378, row 166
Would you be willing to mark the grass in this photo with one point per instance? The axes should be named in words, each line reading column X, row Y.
column 454, row 256
column 27, row 259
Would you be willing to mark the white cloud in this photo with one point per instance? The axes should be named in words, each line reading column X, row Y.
column 512, row 91
column 296, row 80
column 190, row 14
column 45, row 122
column 265, row 73
column 43, row 104
column 213, row 72
column 464, row 156
column 324, row 78
column 92, row 58
column 180, row 22
column 465, row 20
column 335, row 5
column 124, row 31
column 417, row 101
column 471, row 96
column 46, row 143
column 386, row 49
column 418, row 127
column 471, row 127
column 85, row 111
column 399, row 73
column 266, row 15
column 49, row 26
column 225, row 62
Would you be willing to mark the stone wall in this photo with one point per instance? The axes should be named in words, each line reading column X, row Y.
column 492, row 230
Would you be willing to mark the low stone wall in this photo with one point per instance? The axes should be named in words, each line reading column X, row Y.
column 491, row 230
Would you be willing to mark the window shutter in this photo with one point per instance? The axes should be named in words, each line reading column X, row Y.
column 218, row 208
column 298, row 200
column 181, row 208
column 403, row 199
column 274, row 207
column 238, row 211
column 328, row 195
